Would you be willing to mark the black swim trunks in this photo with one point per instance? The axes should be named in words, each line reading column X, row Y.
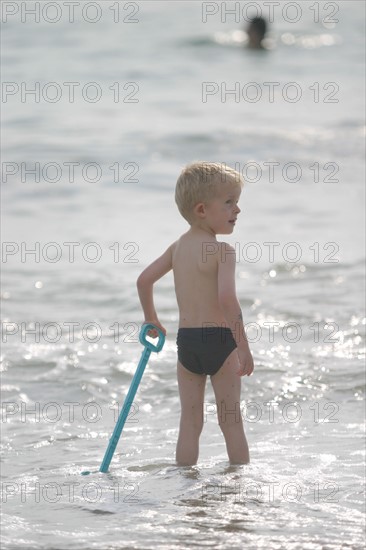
column 203, row 350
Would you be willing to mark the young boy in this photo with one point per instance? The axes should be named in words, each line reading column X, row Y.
column 211, row 339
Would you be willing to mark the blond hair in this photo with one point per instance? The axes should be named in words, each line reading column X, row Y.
column 200, row 182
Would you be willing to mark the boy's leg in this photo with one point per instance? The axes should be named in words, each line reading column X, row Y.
column 191, row 392
column 226, row 384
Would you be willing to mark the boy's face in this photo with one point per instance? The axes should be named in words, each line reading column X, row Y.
column 222, row 211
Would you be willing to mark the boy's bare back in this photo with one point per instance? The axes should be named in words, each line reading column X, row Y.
column 195, row 257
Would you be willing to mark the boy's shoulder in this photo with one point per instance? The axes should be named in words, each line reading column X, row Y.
column 226, row 252
column 226, row 246
column 208, row 247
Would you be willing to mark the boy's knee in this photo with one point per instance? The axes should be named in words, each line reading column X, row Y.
column 228, row 417
column 192, row 425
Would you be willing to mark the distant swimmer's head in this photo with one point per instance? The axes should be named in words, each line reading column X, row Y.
column 256, row 31
column 200, row 183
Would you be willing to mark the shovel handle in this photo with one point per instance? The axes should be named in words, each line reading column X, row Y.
column 150, row 345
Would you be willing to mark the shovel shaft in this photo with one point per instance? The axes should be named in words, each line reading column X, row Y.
column 125, row 410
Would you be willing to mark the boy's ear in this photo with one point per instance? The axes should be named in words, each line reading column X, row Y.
column 200, row 210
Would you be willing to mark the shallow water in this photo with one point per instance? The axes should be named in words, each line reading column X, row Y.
column 70, row 344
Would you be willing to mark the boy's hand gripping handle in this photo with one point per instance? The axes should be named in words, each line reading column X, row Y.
column 150, row 345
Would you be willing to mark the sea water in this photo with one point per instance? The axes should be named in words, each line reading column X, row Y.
column 120, row 104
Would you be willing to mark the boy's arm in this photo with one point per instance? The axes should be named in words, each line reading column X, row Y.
column 230, row 305
column 145, row 282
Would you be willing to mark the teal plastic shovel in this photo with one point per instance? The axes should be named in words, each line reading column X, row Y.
column 148, row 348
